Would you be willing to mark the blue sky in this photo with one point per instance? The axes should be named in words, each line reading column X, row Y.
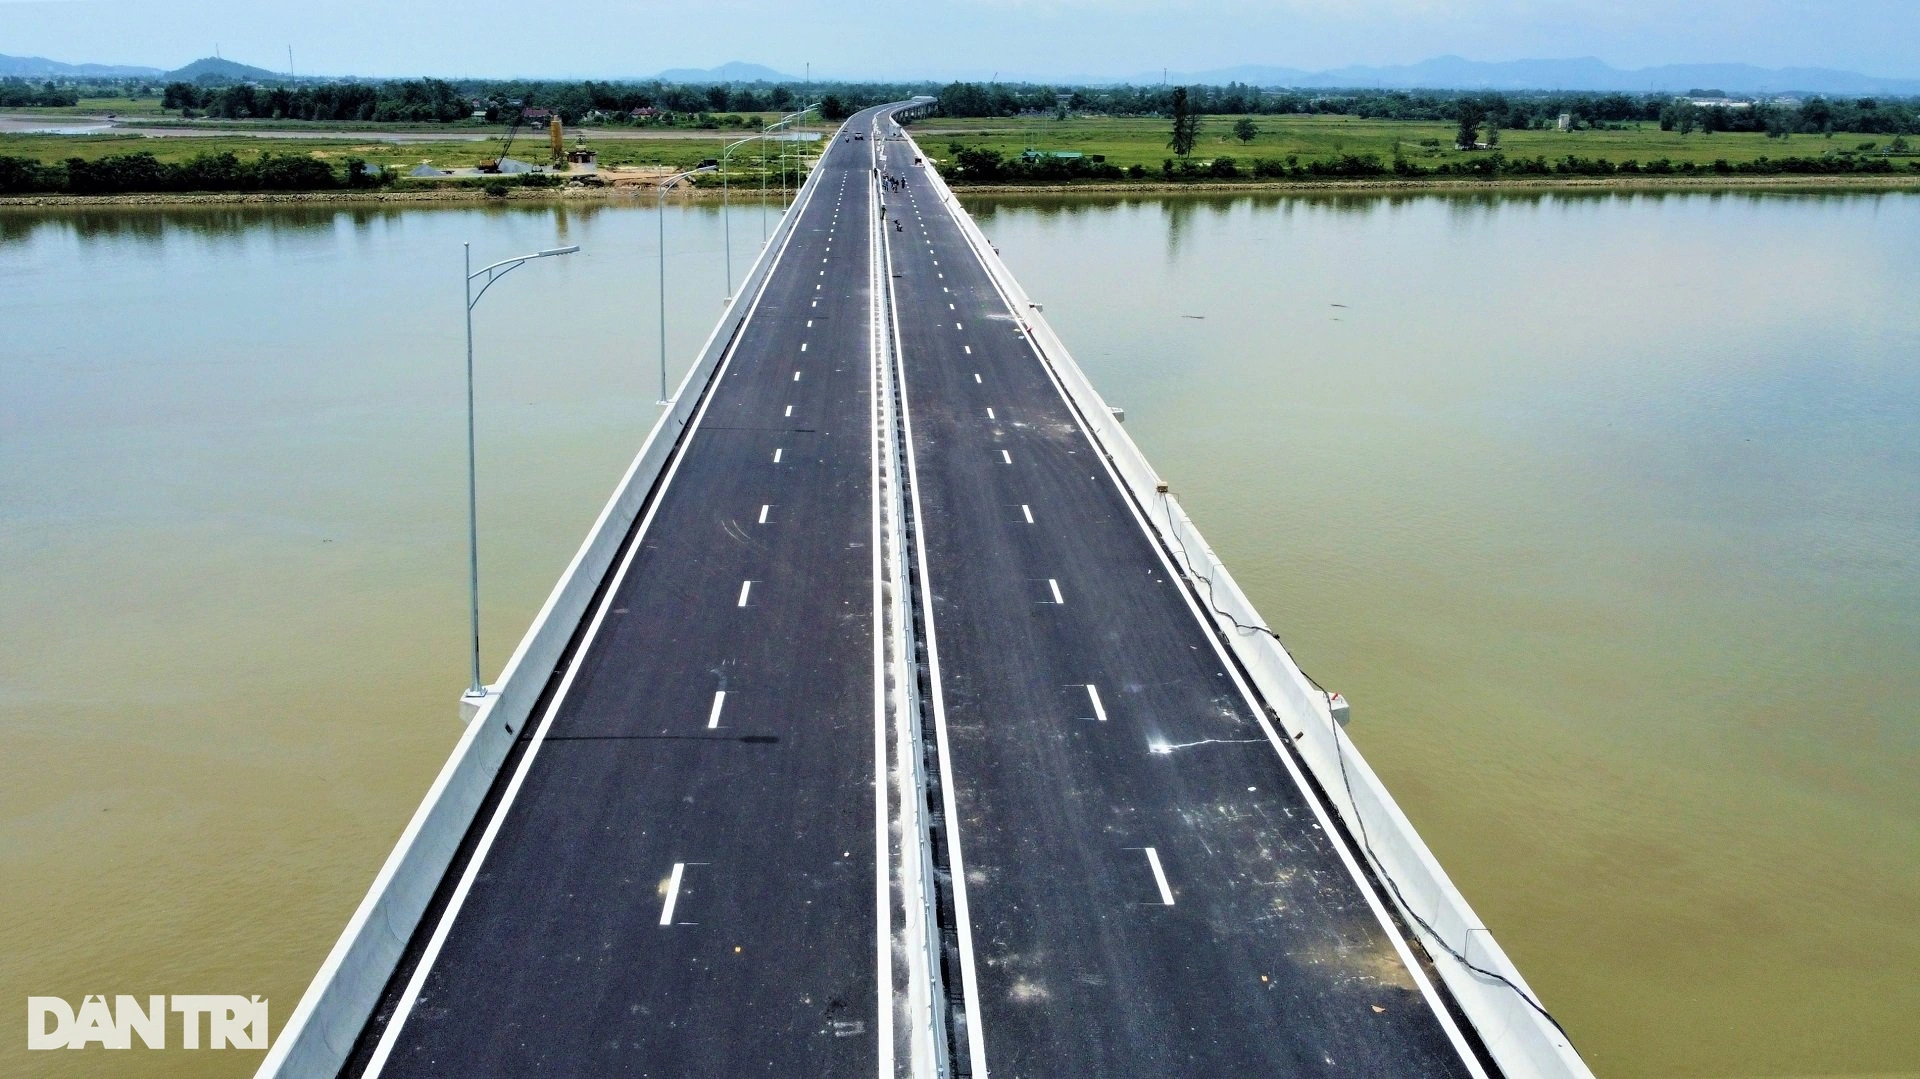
column 957, row 38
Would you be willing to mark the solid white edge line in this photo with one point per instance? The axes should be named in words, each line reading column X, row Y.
column 1347, row 856
column 1099, row 710
column 713, row 717
column 956, row 860
column 1159, row 876
column 390, row 1036
column 882, row 823
column 673, row 893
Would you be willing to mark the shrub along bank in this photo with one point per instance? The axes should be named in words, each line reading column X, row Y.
column 977, row 165
column 143, row 173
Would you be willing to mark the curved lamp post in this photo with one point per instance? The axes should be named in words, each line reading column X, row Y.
column 660, row 214
column 476, row 691
column 725, row 219
column 765, row 131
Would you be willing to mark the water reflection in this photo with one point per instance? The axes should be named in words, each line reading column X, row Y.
column 153, row 224
column 1180, row 206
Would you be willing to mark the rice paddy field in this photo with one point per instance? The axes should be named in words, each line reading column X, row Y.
column 1143, row 140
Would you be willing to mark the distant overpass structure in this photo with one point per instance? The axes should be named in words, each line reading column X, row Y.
column 894, row 719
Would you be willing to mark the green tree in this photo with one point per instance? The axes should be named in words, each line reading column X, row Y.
column 1186, row 126
column 1245, row 129
column 1470, row 114
column 179, row 95
column 977, row 163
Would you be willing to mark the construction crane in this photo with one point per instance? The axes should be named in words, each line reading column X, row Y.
column 513, row 127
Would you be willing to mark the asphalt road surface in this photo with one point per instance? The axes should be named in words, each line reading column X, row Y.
column 685, row 869
column 1150, row 892
column 682, row 880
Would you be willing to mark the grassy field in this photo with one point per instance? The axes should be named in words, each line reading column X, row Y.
column 1123, row 141
column 123, row 107
column 453, row 153
column 1143, row 141
column 147, row 111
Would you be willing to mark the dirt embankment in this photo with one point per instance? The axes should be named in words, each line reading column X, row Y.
column 622, row 193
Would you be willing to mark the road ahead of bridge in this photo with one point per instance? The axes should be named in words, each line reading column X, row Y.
column 699, row 858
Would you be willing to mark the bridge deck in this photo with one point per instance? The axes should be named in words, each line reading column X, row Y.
column 686, row 870
column 752, row 577
column 1151, row 893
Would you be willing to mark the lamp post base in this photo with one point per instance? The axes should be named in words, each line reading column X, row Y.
column 471, row 703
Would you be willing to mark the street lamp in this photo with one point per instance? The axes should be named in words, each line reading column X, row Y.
column 782, row 122
column 476, row 691
column 660, row 214
column 725, row 219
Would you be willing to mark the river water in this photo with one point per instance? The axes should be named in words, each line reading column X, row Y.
column 1603, row 510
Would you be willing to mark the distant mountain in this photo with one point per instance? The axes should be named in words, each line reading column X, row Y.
column 212, row 67
column 736, row 71
column 35, row 67
column 1583, row 73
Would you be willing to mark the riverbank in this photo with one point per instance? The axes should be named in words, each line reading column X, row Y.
column 364, row 197
column 1213, row 188
column 1396, row 184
